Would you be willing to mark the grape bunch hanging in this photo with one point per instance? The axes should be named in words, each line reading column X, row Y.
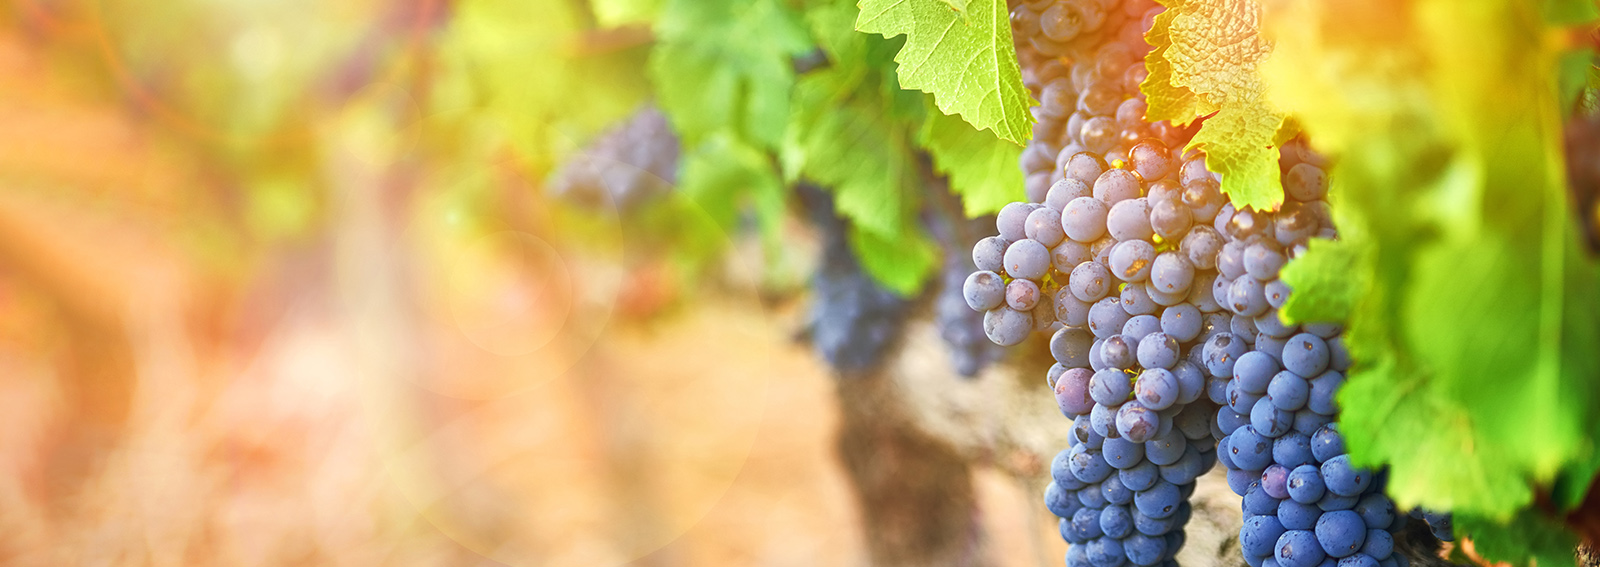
column 1161, row 300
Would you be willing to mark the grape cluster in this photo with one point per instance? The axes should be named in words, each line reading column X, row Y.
column 1113, row 254
column 854, row 319
column 625, row 166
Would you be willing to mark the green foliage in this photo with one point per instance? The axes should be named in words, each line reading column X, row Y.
column 1524, row 540
column 1472, row 313
column 982, row 169
column 961, row 53
column 1204, row 62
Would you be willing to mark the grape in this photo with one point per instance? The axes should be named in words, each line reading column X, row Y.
column 1037, row 183
column 1262, row 262
column 1257, row 501
column 1254, row 372
column 1070, row 310
column 1084, row 167
column 1159, row 502
column 1084, row 219
column 1120, row 352
column 1305, row 354
column 1331, row 502
column 1326, row 443
column 1181, row 322
column 1341, row 533
column 1165, row 299
column 1089, row 467
column 1240, row 481
column 1298, row 548
column 1068, row 255
column 1288, row 391
column 1202, row 246
column 1298, row 516
column 1305, row 484
column 1085, row 525
column 1338, row 356
column 1188, row 467
column 1239, row 400
column 1151, row 161
column 1164, row 190
column 1277, row 293
column 1136, row 300
column 1106, row 552
column 1259, row 534
column 1244, row 328
column 1292, row 450
column 1271, row 346
column 1169, row 219
column 984, row 291
column 1044, row 225
column 1342, row 478
column 988, row 253
column 1270, row 325
column 1270, row 421
column 1376, row 511
column 1223, row 219
column 1157, row 350
column 1129, row 219
column 854, row 318
column 1073, row 391
column 1098, row 135
column 1100, row 100
column 1219, row 290
column 1102, row 250
column 1064, row 191
column 1131, row 260
column 1116, row 185
column 1221, row 351
column 1140, row 326
column 1144, row 550
column 1090, row 281
column 1106, row 317
column 1012, row 220
column 1006, row 326
column 1172, row 273
column 1275, row 481
column 1058, row 502
column 1379, row 544
column 1156, row 388
column 1136, row 422
column 1110, row 387
column 1250, row 450
column 1306, row 182
column 1022, row 295
column 1130, row 114
column 1115, row 521
column 1070, row 346
column 1245, row 295
column 1027, row 259
column 1201, row 294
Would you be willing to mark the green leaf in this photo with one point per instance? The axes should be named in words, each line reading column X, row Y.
column 982, row 169
column 1527, row 539
column 1570, row 12
column 1205, row 61
column 965, row 59
column 1326, row 281
column 722, row 173
column 902, row 264
column 727, row 65
column 616, row 13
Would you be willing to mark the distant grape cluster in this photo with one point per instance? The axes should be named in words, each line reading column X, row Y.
column 854, row 319
column 625, row 166
column 1161, row 300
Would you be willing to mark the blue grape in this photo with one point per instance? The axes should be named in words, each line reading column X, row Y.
column 1262, row 262
column 1012, row 220
column 1156, row 388
column 1224, row 455
column 1059, row 502
column 1136, row 422
column 1251, row 451
column 1298, row 548
column 1160, row 501
column 1068, row 254
column 1077, row 555
column 1240, row 480
column 1191, row 384
column 1292, row 450
column 1165, row 449
column 1188, row 468
column 1305, row 354
column 1376, row 511
column 1271, row 325
column 1131, row 261
column 1106, row 552
column 988, row 254
column 1130, row 220
column 1113, row 491
column 1120, row 351
column 1140, row 325
column 1116, row 185
column 1085, row 525
column 1270, row 421
column 1070, row 310
column 1277, row 293
column 1144, row 550
column 1379, row 544
column 1028, row 259
column 1084, row 219
column 1006, row 326
column 1258, row 502
column 1321, row 397
column 1343, row 478
column 1157, row 350
column 1221, row 351
column 1239, row 400
column 1110, row 387
column 1166, row 299
column 1044, row 225
column 1259, row 534
column 1219, row 291
column 1358, row 560
column 1089, row 466
column 1172, row 273
column 1103, row 420
column 1136, row 301
column 1074, row 392
column 1338, row 355
column 1121, row 453
column 1141, row 476
column 1202, row 294
column 1106, row 317
column 1244, row 328
column 1245, row 296
column 1307, row 422
column 1230, row 261
column 1230, row 421
column 1217, row 390
column 984, row 290
column 1297, row 515
column 1181, row 322
column 1070, row 346
column 1288, row 391
column 1115, row 521
column 1202, row 245
column 1271, row 346
column 1275, row 480
column 1061, row 473
column 1331, row 502
column 1341, row 533
column 1254, row 372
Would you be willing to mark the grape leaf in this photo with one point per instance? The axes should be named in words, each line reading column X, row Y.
column 982, row 169
column 726, row 65
column 965, row 59
column 902, row 263
column 1526, row 539
column 614, row 13
column 1205, row 60
column 1473, row 341
column 1326, row 281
